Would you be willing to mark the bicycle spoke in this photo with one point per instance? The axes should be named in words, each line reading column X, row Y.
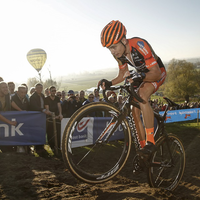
column 86, row 155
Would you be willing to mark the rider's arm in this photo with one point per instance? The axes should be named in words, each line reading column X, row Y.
column 121, row 75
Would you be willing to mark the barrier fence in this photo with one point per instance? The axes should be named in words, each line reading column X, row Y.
column 31, row 127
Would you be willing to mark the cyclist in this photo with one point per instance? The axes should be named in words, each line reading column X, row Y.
column 149, row 75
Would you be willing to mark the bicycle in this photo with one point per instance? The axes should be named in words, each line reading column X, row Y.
column 91, row 161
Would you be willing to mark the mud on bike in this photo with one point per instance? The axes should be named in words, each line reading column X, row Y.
column 99, row 159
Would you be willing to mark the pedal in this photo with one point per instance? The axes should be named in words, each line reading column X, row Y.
column 144, row 159
column 138, row 166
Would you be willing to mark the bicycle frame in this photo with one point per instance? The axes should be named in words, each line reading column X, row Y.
column 112, row 126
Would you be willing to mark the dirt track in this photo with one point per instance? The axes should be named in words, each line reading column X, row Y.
column 29, row 177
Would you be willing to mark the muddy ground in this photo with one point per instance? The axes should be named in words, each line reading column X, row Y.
column 29, row 177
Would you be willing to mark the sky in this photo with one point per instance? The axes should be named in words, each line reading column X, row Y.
column 69, row 32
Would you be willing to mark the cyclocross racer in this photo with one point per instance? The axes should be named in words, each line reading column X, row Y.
column 150, row 74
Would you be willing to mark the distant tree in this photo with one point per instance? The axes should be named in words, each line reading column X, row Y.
column 31, row 82
column 182, row 79
column 50, row 82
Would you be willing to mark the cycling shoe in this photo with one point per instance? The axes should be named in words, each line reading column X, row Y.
column 147, row 150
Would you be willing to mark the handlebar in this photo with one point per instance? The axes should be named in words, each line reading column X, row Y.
column 126, row 87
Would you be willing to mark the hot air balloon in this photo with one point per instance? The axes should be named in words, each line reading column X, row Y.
column 37, row 58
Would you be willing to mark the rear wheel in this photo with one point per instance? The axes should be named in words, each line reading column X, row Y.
column 86, row 152
column 167, row 163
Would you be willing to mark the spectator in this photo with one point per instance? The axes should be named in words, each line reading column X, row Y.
column 70, row 105
column 46, row 92
column 108, row 93
column 113, row 94
column 90, row 99
column 11, row 87
column 52, row 104
column 119, row 102
column 185, row 105
column 5, row 105
column 96, row 95
column 82, row 96
column 63, row 96
column 163, row 107
column 32, row 90
column 58, row 94
column 37, row 104
column 79, row 104
column 20, row 101
column 26, row 90
column 111, row 99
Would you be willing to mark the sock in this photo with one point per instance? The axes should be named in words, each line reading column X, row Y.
column 149, row 134
column 142, row 143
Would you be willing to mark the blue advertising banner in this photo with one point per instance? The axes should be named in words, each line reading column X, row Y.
column 181, row 115
column 30, row 128
column 89, row 129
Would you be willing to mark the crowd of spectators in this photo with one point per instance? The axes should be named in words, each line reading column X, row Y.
column 61, row 103
column 158, row 106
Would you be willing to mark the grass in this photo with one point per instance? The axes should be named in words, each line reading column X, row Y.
column 186, row 131
column 182, row 126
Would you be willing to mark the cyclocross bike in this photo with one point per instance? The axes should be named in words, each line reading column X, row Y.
column 106, row 145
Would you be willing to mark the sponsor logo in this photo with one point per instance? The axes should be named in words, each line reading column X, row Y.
column 82, row 125
column 133, row 130
column 81, row 133
column 110, row 173
column 142, row 47
column 14, row 129
column 187, row 115
column 154, row 84
column 140, row 44
column 167, row 118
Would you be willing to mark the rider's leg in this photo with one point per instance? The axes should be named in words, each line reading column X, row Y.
column 139, row 126
column 145, row 91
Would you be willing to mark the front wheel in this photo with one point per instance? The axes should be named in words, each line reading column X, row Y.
column 89, row 151
column 167, row 163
